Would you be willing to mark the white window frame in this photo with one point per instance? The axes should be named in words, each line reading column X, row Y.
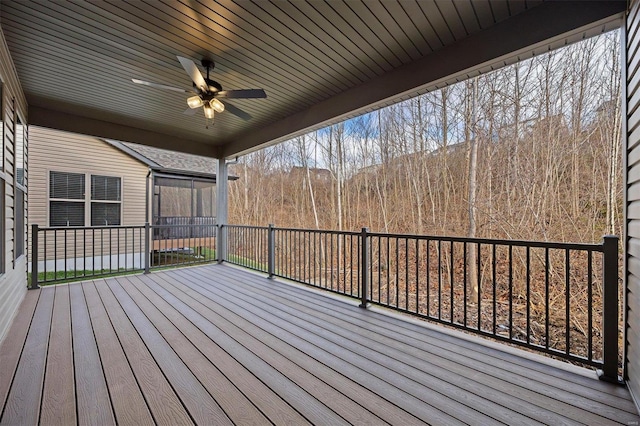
column 87, row 195
column 22, row 187
column 91, row 200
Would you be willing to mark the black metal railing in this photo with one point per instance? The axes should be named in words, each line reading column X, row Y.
column 205, row 227
column 191, row 244
column 61, row 254
column 556, row 298
column 323, row 259
column 68, row 253
column 247, row 246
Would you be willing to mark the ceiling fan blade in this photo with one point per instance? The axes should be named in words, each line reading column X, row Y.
column 193, row 71
column 236, row 111
column 242, row 94
column 190, row 111
column 160, row 86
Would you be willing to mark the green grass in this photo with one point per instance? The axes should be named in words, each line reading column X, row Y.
column 246, row 262
column 160, row 261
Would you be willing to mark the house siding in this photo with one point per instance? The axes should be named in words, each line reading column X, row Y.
column 13, row 281
column 54, row 150
column 69, row 152
column 632, row 193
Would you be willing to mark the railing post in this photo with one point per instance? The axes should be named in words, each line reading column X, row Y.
column 34, row 257
column 271, row 251
column 221, row 244
column 609, row 371
column 364, row 267
column 147, row 243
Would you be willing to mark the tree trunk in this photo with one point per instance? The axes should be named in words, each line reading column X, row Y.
column 472, row 95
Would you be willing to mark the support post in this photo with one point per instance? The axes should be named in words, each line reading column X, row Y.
column 271, row 251
column 364, row 267
column 222, row 209
column 147, row 254
column 34, row 258
column 610, row 332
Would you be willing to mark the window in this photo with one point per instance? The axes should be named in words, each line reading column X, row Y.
column 105, row 200
column 19, row 212
column 20, row 139
column 21, row 134
column 2, row 119
column 183, row 197
column 2, row 220
column 66, row 199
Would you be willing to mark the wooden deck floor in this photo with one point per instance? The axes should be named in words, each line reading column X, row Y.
column 219, row 345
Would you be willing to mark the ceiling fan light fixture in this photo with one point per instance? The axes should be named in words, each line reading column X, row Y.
column 216, row 105
column 208, row 111
column 194, row 102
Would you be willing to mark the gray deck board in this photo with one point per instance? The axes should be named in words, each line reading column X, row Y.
column 128, row 403
column 58, row 396
column 221, row 345
column 93, row 403
column 447, row 363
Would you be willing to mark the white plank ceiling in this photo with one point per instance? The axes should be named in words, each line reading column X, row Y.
column 318, row 61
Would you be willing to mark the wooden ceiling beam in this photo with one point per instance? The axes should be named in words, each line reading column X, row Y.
column 75, row 123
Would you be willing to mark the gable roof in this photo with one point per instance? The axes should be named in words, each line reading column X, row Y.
column 166, row 161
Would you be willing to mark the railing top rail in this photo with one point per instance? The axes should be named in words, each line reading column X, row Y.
column 183, row 217
column 71, row 228
column 245, row 226
column 519, row 243
column 516, row 243
column 319, row 231
column 185, row 225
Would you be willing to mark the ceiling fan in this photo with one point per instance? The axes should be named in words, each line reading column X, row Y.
column 208, row 93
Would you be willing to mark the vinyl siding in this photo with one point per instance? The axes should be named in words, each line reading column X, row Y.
column 13, row 280
column 54, row 150
column 632, row 193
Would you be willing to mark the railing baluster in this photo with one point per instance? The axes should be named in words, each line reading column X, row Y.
column 479, row 283
column 590, row 305
column 546, row 297
column 388, row 269
column 428, row 313
column 439, row 279
column 379, row 268
column 147, row 249
column 75, row 255
column 397, row 244
column 125, row 250
column 55, row 254
column 65, row 254
column 111, row 251
column 567, row 300
column 451, row 279
column 510, row 291
column 406, row 273
column 417, row 274
column 464, row 282
column 528, row 295
column 495, row 285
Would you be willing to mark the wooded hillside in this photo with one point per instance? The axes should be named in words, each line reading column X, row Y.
column 529, row 151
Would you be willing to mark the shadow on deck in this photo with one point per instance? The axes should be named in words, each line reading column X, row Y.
column 218, row 345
